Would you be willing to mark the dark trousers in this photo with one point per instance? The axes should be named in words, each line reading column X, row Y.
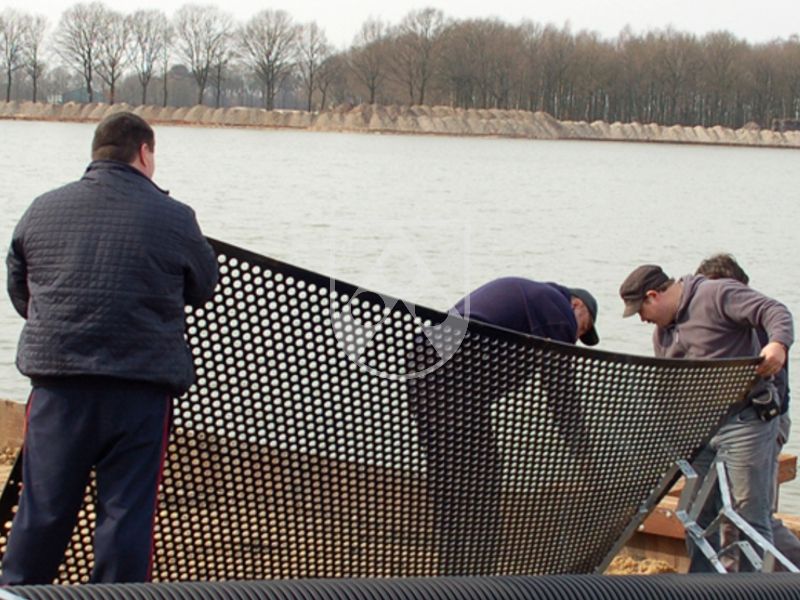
column 74, row 424
column 463, row 463
column 464, row 484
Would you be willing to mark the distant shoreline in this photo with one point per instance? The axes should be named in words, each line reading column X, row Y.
column 412, row 120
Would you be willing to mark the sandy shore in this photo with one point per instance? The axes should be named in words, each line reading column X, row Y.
column 624, row 564
column 425, row 120
column 7, row 456
column 12, row 419
column 11, row 426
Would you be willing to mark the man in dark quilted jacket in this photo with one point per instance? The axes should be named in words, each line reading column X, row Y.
column 101, row 270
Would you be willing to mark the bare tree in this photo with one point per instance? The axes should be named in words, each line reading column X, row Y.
column 790, row 57
column 223, row 55
column 418, row 41
column 558, row 47
column 505, row 58
column 483, row 61
column 312, row 49
column 12, row 37
column 80, row 28
column 458, row 77
column 678, row 62
column 267, row 45
column 722, row 54
column 368, row 58
column 33, row 45
column 764, row 84
column 329, row 76
column 113, row 50
column 631, row 76
column 148, row 29
column 663, row 76
column 530, row 78
column 591, row 73
column 164, row 58
column 61, row 78
column 201, row 30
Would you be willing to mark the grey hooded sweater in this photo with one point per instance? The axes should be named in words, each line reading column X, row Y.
column 719, row 319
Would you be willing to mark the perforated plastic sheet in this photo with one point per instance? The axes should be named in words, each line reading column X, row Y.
column 334, row 432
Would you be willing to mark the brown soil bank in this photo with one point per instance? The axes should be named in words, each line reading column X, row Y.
column 436, row 120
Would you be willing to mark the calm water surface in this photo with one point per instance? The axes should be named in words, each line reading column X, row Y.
column 429, row 218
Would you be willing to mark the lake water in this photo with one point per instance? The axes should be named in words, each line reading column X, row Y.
column 429, row 218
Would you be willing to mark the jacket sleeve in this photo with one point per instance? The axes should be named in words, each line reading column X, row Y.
column 745, row 305
column 200, row 271
column 18, row 273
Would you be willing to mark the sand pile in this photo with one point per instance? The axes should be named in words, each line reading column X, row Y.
column 428, row 120
column 626, row 565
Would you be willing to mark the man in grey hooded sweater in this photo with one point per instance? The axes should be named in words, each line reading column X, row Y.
column 701, row 318
column 725, row 266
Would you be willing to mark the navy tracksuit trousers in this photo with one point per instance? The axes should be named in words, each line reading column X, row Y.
column 74, row 424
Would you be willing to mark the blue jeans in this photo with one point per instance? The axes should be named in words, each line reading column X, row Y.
column 747, row 447
column 782, row 537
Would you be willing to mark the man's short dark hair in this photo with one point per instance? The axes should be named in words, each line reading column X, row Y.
column 722, row 266
column 119, row 137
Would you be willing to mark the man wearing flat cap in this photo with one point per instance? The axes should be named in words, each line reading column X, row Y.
column 700, row 318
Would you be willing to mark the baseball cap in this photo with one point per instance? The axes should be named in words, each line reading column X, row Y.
column 636, row 285
column 590, row 337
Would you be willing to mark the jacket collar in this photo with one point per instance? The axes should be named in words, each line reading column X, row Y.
column 99, row 166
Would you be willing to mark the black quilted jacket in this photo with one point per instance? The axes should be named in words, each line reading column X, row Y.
column 102, row 269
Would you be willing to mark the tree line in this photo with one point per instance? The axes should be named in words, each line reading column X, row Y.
column 201, row 55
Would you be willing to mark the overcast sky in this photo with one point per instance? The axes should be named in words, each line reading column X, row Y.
column 753, row 20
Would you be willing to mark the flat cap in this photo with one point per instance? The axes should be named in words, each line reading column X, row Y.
column 636, row 285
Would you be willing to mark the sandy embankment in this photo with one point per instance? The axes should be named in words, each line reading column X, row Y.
column 11, row 426
column 12, row 419
column 436, row 120
column 7, row 457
